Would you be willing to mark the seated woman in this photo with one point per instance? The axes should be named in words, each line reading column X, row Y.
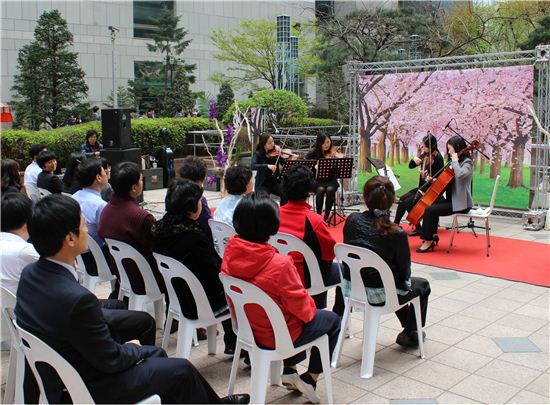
column 11, row 181
column 299, row 220
column 91, row 148
column 70, row 181
column 265, row 162
column 47, row 179
column 238, row 183
column 178, row 235
column 373, row 230
column 249, row 257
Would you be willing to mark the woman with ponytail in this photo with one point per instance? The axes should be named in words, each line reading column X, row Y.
column 374, row 230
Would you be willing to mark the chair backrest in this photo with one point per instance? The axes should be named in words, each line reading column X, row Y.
column 8, row 301
column 43, row 192
column 493, row 197
column 358, row 258
column 286, row 244
column 103, row 270
column 120, row 251
column 170, row 269
column 36, row 351
column 32, row 192
column 240, row 293
column 221, row 232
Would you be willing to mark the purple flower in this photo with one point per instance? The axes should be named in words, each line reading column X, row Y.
column 211, row 179
column 229, row 134
column 221, row 157
column 213, row 110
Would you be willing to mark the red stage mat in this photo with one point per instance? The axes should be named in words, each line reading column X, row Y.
column 511, row 259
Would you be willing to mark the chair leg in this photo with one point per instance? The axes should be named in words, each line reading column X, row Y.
column 417, row 315
column 195, row 338
column 19, row 378
column 159, row 311
column 211, row 334
column 453, row 229
column 185, row 338
column 234, row 368
column 9, row 393
column 487, row 236
column 370, row 333
column 258, row 377
column 275, row 372
column 338, row 349
column 167, row 329
column 325, row 360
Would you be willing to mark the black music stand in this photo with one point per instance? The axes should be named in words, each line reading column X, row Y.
column 304, row 162
column 339, row 168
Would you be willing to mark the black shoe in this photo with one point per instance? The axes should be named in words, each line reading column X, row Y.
column 230, row 351
column 236, row 399
column 416, row 232
column 409, row 340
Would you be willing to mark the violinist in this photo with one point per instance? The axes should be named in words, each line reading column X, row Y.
column 267, row 161
column 458, row 193
column 323, row 149
column 429, row 163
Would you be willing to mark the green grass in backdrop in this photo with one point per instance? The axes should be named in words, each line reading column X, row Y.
column 482, row 186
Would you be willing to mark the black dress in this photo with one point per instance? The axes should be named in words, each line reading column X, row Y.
column 266, row 181
column 324, row 187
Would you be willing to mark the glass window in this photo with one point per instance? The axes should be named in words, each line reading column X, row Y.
column 145, row 14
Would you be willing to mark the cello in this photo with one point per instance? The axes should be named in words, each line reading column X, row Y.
column 436, row 188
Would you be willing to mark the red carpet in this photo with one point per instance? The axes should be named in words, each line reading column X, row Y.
column 510, row 259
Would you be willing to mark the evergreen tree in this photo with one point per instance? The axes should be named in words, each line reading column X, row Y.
column 540, row 35
column 225, row 98
column 125, row 98
column 50, row 86
column 179, row 96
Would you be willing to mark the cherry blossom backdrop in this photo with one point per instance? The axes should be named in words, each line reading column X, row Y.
column 489, row 104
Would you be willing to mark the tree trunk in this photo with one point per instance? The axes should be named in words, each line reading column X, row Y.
column 373, row 149
column 404, row 153
column 495, row 166
column 382, row 146
column 516, row 172
column 392, row 150
column 365, row 152
column 397, row 154
column 475, row 156
column 482, row 164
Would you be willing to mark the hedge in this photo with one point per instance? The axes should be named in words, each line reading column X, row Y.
column 64, row 141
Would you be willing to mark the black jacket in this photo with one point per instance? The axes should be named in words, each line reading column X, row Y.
column 183, row 239
column 264, row 177
column 359, row 230
column 50, row 182
column 436, row 167
column 54, row 307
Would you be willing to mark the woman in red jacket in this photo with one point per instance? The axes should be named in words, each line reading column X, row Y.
column 249, row 257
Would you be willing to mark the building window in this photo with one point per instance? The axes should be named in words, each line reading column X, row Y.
column 149, row 75
column 145, row 14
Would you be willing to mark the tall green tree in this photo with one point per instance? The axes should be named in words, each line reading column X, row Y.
column 50, row 86
column 539, row 36
column 226, row 97
column 125, row 98
column 179, row 95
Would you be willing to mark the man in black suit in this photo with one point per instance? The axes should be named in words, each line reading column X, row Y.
column 54, row 307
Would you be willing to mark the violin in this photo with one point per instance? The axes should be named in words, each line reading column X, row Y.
column 436, row 188
column 333, row 153
column 279, row 152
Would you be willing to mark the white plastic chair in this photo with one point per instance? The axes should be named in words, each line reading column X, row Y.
column 43, row 192
column 241, row 293
column 120, row 251
column 104, row 274
column 473, row 214
column 357, row 258
column 16, row 367
column 37, row 351
column 171, row 269
column 221, row 232
column 286, row 243
column 32, row 192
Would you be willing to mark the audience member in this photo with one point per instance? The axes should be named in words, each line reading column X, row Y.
column 52, row 305
column 374, row 230
column 179, row 113
column 33, row 170
column 299, row 220
column 107, row 191
column 143, row 114
column 70, row 180
column 47, row 179
column 248, row 256
column 96, row 113
column 133, row 113
column 194, row 169
column 238, row 183
column 151, row 113
column 91, row 148
column 15, row 251
column 178, row 235
column 11, row 181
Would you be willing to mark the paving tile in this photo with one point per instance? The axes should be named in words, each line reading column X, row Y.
column 352, row 375
column 508, row 373
column 541, row 341
column 534, row 311
column 467, row 296
column 480, row 344
column 396, row 361
column 462, row 359
column 516, row 345
column 482, row 312
column 431, row 348
column 542, row 300
column 446, row 335
column 500, row 304
column 526, row 397
column 464, row 323
column 517, row 295
column 529, row 288
column 436, row 374
column 496, row 331
column 371, row 399
column 538, row 361
column 449, row 305
column 483, row 288
column 522, row 322
column 407, row 388
column 540, row 385
column 446, row 275
column 343, row 393
column 414, row 401
column 435, row 315
column 440, row 290
column 498, row 282
column 484, row 390
column 450, row 398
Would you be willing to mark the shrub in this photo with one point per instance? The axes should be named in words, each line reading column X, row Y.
column 310, row 122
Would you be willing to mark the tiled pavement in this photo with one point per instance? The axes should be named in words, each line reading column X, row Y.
column 487, row 342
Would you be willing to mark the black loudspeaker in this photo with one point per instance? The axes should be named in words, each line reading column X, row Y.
column 115, row 156
column 116, row 128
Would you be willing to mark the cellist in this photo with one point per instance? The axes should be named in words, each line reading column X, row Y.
column 430, row 162
column 458, row 193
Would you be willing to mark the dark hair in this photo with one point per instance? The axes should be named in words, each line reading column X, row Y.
column 298, row 182
column 53, row 217
column 87, row 171
column 236, row 179
column 379, row 194
column 256, row 218
column 44, row 157
column 318, row 147
column 262, row 140
column 458, row 143
column 430, row 141
column 182, row 197
column 193, row 168
column 123, row 177
column 72, row 167
column 105, row 163
column 10, row 174
column 89, row 134
column 95, row 108
column 36, row 149
column 16, row 211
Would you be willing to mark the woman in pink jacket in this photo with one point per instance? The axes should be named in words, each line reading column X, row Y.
column 249, row 257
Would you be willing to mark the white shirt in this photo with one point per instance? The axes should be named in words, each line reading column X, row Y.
column 224, row 211
column 91, row 205
column 31, row 174
column 15, row 254
column 67, row 266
